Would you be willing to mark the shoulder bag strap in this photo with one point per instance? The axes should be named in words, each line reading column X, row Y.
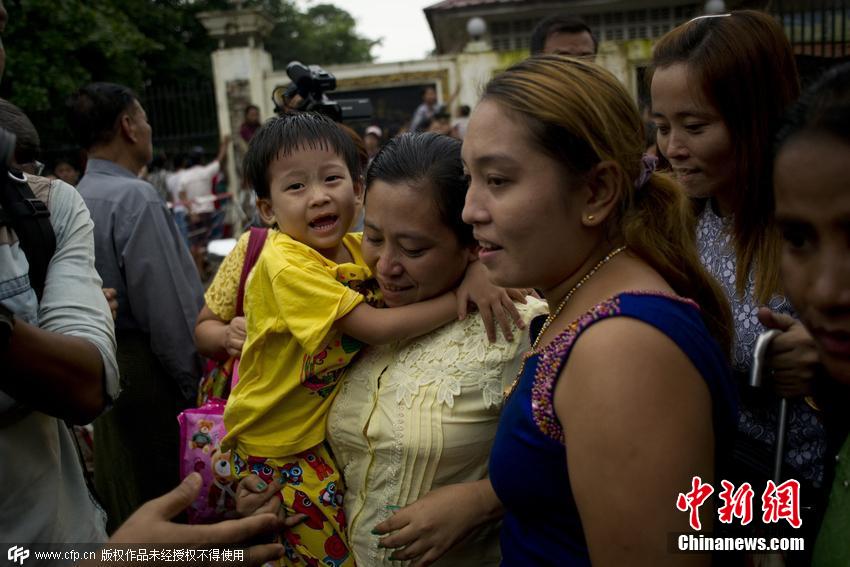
column 30, row 219
column 255, row 246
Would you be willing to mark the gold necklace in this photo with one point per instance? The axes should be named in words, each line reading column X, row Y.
column 554, row 315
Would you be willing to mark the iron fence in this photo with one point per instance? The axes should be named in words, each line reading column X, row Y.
column 815, row 28
column 182, row 116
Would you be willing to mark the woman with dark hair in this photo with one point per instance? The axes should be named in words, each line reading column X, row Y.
column 720, row 86
column 65, row 170
column 812, row 195
column 419, row 415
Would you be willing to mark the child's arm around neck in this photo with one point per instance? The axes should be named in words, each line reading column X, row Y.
column 383, row 326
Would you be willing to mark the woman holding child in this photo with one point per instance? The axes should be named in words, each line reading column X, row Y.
column 306, row 320
column 421, row 414
column 627, row 377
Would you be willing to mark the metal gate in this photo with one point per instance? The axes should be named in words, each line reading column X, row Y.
column 819, row 32
column 182, row 116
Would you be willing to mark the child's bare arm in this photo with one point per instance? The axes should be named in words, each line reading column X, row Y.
column 382, row 326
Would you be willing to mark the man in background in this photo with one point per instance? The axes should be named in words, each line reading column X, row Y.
column 372, row 139
column 424, row 112
column 138, row 252
column 195, row 189
column 251, row 124
column 563, row 35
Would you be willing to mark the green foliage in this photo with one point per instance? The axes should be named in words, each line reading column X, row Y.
column 323, row 35
column 55, row 46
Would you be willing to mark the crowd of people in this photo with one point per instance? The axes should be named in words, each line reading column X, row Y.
column 540, row 338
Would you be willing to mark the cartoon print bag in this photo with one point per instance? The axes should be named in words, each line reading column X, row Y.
column 202, row 428
column 201, row 432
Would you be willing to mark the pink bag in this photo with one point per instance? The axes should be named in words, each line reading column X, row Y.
column 202, row 429
column 201, row 432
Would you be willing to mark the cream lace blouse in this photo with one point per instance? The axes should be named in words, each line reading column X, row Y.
column 418, row 415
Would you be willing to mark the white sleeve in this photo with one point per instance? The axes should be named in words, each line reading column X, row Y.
column 73, row 302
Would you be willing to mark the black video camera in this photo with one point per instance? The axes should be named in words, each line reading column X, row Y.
column 311, row 84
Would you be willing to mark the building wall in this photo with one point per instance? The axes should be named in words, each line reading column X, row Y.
column 509, row 26
column 244, row 74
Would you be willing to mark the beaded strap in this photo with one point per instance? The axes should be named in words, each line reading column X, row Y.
column 552, row 357
column 549, row 365
column 668, row 295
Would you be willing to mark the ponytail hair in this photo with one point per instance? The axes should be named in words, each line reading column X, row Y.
column 659, row 227
column 429, row 163
column 579, row 114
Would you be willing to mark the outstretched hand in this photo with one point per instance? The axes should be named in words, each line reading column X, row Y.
column 256, row 496
column 151, row 524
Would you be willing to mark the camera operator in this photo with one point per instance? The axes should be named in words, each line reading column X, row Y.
column 308, row 93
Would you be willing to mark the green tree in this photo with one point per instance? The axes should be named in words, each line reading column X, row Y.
column 324, row 34
column 55, row 46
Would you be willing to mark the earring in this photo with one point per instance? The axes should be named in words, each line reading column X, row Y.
column 590, row 218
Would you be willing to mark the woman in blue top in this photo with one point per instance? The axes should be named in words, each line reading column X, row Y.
column 626, row 391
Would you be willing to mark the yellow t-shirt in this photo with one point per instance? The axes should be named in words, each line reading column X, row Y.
column 220, row 297
column 293, row 357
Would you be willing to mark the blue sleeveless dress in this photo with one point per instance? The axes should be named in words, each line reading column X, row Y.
column 528, row 465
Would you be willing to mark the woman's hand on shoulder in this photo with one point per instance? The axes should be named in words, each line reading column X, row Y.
column 792, row 356
column 496, row 304
column 435, row 523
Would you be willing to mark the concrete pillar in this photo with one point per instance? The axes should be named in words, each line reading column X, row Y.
column 240, row 65
column 476, row 64
column 474, row 71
